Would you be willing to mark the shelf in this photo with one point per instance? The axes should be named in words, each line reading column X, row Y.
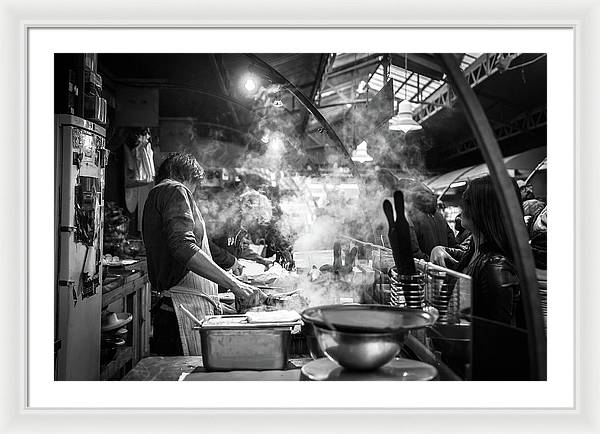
column 112, row 368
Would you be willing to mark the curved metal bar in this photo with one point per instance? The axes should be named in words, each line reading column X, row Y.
column 454, row 180
column 537, row 168
column 308, row 104
column 517, row 232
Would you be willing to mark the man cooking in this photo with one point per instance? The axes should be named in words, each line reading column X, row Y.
column 180, row 265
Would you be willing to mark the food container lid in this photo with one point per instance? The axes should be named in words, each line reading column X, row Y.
column 367, row 318
column 239, row 322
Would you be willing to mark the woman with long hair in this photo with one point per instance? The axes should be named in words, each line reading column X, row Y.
column 499, row 338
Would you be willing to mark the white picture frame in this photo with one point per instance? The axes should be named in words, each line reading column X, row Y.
column 18, row 18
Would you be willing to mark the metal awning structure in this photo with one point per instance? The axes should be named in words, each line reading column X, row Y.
column 208, row 88
column 526, row 161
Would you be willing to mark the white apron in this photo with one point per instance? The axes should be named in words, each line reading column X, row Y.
column 198, row 295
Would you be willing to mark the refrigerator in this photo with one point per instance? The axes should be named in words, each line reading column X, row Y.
column 80, row 161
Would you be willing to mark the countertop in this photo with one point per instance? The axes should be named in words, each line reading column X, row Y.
column 160, row 368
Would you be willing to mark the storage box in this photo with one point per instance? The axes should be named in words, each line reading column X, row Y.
column 230, row 343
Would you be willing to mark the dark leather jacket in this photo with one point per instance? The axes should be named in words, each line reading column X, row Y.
column 499, row 337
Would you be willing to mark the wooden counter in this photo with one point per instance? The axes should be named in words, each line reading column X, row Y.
column 171, row 368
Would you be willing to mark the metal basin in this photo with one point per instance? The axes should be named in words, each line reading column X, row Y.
column 359, row 351
column 311, row 342
column 363, row 337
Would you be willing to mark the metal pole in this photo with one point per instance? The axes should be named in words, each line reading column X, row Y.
column 517, row 232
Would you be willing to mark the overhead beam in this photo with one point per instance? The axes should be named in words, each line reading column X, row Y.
column 477, row 72
column 353, row 66
column 313, row 92
column 404, row 83
column 217, row 64
column 325, row 76
column 522, row 124
column 420, row 64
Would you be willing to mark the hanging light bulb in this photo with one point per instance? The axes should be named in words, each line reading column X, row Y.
column 250, row 83
column 360, row 154
column 362, row 87
column 404, row 121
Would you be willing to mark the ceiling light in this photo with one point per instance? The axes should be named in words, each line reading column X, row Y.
column 362, row 87
column 360, row 154
column 348, row 105
column 458, row 184
column 404, row 121
column 250, row 84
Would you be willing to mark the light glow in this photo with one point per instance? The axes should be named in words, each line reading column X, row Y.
column 250, row 84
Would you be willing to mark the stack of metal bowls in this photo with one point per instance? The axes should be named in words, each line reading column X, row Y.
column 407, row 290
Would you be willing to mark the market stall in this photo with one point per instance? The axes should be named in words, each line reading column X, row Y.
column 244, row 229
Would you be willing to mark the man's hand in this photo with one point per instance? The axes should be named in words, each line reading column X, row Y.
column 439, row 256
column 251, row 295
column 268, row 264
column 237, row 269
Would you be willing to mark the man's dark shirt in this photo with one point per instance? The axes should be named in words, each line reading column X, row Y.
column 172, row 233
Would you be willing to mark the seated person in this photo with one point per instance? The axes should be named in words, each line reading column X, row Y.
column 499, row 338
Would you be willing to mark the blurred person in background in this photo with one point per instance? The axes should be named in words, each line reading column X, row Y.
column 532, row 206
column 243, row 230
column 499, row 336
column 431, row 228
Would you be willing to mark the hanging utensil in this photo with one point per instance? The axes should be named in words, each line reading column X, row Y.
column 399, row 235
column 190, row 315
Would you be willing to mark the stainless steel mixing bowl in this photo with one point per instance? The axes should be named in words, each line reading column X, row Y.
column 359, row 351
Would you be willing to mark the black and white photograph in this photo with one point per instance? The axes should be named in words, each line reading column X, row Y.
column 300, row 216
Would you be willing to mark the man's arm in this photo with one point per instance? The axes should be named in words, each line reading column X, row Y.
column 182, row 243
column 204, row 266
column 222, row 257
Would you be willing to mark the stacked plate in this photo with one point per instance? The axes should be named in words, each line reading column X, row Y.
column 407, row 291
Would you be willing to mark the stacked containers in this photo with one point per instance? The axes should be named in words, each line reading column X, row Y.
column 407, row 290
column 442, row 293
column 432, row 287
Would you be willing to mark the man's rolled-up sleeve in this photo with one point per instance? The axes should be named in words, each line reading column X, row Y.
column 179, row 226
column 222, row 257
